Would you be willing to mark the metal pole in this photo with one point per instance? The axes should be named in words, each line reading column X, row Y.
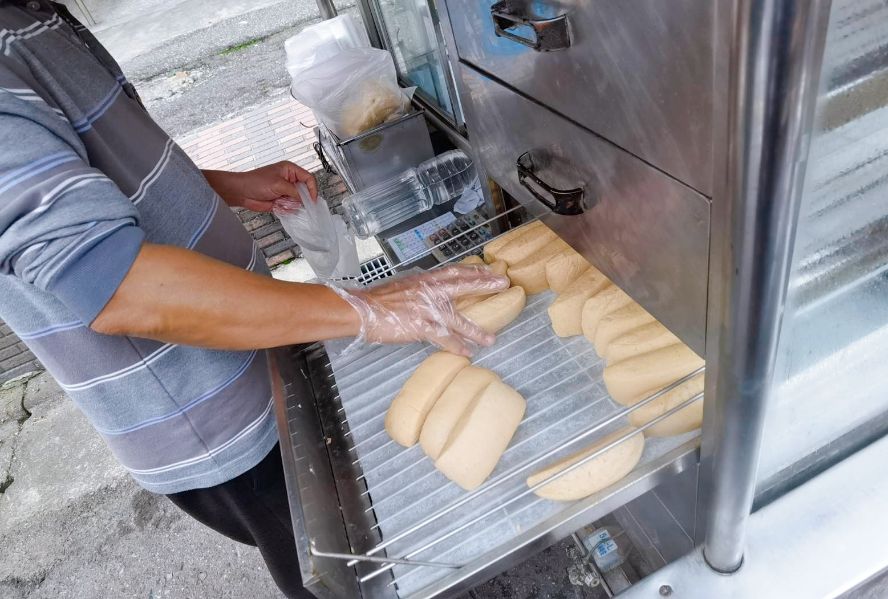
column 327, row 8
column 775, row 55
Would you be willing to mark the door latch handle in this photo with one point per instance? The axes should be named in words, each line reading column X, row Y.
column 548, row 34
column 563, row 201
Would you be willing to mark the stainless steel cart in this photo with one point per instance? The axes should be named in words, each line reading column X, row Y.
column 729, row 163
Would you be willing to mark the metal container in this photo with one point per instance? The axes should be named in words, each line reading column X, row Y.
column 378, row 154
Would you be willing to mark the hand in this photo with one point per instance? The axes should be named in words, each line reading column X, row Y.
column 257, row 189
column 420, row 308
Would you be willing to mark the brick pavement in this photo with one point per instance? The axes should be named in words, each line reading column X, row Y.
column 281, row 129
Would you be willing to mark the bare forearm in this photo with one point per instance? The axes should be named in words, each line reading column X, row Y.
column 180, row 296
column 223, row 183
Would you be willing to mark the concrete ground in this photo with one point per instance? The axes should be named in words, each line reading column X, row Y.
column 73, row 524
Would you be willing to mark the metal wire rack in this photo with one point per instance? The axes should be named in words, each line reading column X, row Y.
column 427, row 526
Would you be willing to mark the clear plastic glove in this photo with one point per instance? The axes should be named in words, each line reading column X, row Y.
column 419, row 307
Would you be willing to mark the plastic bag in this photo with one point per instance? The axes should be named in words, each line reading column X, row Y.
column 310, row 224
column 318, row 43
column 349, row 266
column 352, row 91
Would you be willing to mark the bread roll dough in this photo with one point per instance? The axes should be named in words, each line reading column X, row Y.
column 525, row 245
column 630, row 380
column 496, row 312
column 444, row 415
column 499, row 267
column 411, row 405
column 530, row 272
column 481, row 435
column 596, row 474
column 645, row 338
column 685, row 420
column 563, row 269
column 473, row 259
column 596, row 307
column 492, row 248
column 567, row 309
column 619, row 322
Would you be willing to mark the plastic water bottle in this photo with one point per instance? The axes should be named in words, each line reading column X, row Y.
column 445, row 177
column 391, row 202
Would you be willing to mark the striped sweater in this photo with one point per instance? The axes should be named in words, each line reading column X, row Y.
column 85, row 177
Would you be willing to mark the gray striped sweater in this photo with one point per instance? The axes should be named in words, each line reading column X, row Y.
column 85, row 177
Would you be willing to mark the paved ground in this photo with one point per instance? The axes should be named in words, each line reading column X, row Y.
column 73, row 524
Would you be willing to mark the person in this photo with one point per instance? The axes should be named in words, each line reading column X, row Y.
column 127, row 276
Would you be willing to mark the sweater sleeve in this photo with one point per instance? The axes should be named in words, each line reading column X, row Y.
column 64, row 226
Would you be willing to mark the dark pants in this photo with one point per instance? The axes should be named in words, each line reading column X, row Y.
column 253, row 509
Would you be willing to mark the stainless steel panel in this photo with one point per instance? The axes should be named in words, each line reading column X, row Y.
column 638, row 72
column 822, row 539
column 660, row 523
column 647, row 232
column 310, row 483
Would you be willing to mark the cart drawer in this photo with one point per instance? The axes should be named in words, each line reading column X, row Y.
column 638, row 72
column 644, row 230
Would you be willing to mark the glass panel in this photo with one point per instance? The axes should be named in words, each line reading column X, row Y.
column 412, row 31
column 832, row 369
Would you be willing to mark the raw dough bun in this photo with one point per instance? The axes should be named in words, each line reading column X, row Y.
column 567, row 309
column 645, row 338
column 464, row 388
column 496, row 312
column 499, row 267
column 408, row 411
column 563, row 269
column 494, row 246
column 597, row 307
column 524, row 246
column 594, row 475
column 628, row 381
column 619, row 322
column 685, row 420
column 473, row 259
column 530, row 272
column 481, row 435
column 371, row 107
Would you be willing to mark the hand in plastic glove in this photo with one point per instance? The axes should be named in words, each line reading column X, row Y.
column 419, row 307
column 258, row 189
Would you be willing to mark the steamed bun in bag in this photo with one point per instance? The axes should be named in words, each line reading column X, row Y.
column 371, row 106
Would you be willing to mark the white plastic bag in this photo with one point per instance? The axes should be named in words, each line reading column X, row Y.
column 309, row 223
column 318, row 43
column 349, row 265
column 352, row 91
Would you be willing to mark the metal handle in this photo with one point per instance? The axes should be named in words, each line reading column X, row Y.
column 564, row 201
column 549, row 34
